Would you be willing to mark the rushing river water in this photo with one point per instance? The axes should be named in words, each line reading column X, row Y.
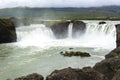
column 37, row 50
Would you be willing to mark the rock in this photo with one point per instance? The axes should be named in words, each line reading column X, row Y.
column 7, row 31
column 102, row 22
column 79, row 28
column 78, row 53
column 118, row 35
column 67, row 74
column 86, row 73
column 114, row 53
column 92, row 74
column 116, row 76
column 108, row 67
column 60, row 29
column 71, row 48
column 33, row 76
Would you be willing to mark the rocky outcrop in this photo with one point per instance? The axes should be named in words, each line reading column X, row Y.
column 102, row 22
column 114, row 53
column 78, row 53
column 60, row 29
column 33, row 76
column 108, row 67
column 86, row 73
column 7, row 31
column 118, row 35
column 79, row 28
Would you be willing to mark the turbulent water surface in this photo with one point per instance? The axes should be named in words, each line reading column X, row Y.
column 37, row 50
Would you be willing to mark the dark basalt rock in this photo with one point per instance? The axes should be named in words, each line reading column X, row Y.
column 86, row 73
column 116, row 76
column 92, row 74
column 7, row 31
column 60, row 29
column 67, row 74
column 118, row 35
column 79, row 28
column 33, row 76
column 108, row 67
column 78, row 53
column 114, row 53
column 102, row 22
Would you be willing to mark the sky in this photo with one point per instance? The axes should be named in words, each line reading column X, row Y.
column 57, row 3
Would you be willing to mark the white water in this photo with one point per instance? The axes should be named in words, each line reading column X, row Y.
column 100, row 36
column 70, row 28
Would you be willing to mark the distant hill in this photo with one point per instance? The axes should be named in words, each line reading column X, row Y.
column 105, row 12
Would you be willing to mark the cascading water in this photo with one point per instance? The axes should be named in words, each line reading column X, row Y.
column 34, row 35
column 70, row 28
column 95, row 36
column 99, row 35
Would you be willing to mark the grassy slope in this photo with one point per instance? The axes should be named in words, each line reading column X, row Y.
column 110, row 12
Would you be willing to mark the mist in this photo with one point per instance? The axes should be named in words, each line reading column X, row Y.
column 57, row 3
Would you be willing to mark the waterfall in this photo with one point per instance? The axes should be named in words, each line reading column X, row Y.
column 96, row 35
column 35, row 34
column 70, row 28
column 101, row 29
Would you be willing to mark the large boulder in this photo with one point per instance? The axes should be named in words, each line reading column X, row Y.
column 86, row 73
column 33, row 76
column 7, row 31
column 67, row 74
column 60, row 29
column 77, row 53
column 114, row 53
column 118, row 35
column 108, row 67
column 79, row 28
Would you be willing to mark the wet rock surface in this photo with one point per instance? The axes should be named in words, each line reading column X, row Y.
column 72, row 53
column 79, row 28
column 33, row 76
column 60, row 29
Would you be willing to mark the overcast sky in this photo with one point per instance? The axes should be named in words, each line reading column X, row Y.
column 57, row 3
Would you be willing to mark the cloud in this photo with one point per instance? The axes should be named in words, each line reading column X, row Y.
column 57, row 3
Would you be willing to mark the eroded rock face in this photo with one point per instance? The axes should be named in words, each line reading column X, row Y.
column 114, row 53
column 7, row 31
column 79, row 28
column 108, row 67
column 33, row 76
column 118, row 35
column 60, row 29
